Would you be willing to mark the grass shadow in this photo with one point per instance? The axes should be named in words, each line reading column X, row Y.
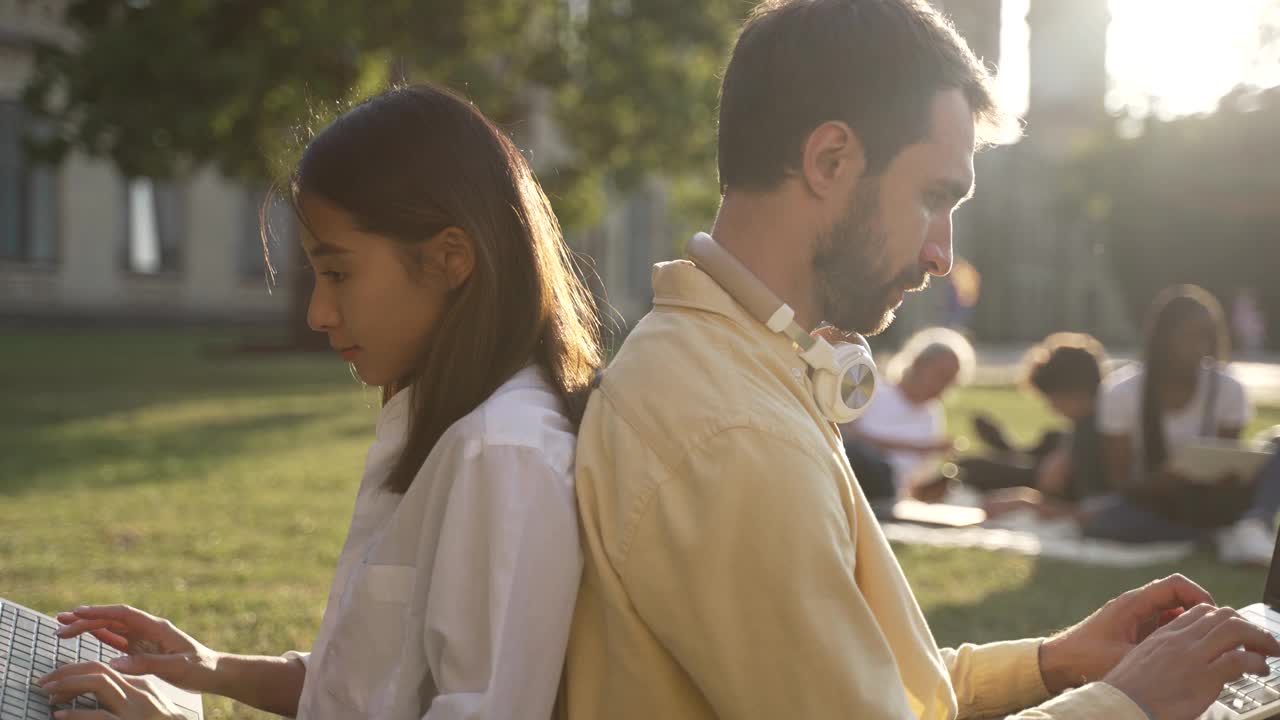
column 1056, row 594
column 110, row 409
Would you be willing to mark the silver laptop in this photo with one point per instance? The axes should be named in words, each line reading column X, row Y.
column 1253, row 697
column 28, row 647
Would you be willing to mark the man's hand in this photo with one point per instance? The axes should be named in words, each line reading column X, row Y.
column 1088, row 651
column 1179, row 671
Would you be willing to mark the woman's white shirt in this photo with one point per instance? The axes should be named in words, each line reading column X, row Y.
column 455, row 599
column 1120, row 410
column 1120, row 407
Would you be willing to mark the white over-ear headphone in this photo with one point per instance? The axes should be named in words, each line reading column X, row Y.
column 844, row 375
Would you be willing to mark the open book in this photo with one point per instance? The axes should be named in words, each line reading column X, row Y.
column 1207, row 460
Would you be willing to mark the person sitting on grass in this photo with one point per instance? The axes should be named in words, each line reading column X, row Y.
column 441, row 276
column 1180, row 394
column 895, row 445
column 1062, row 468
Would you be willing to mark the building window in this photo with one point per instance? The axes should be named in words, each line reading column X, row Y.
column 155, row 222
column 280, row 223
column 28, row 195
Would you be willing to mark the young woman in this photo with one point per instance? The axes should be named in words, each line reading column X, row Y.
column 442, row 277
column 1180, row 394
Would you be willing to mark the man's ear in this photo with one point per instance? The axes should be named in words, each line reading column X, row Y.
column 833, row 158
column 451, row 253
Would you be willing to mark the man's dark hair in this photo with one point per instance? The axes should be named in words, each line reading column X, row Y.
column 1065, row 363
column 876, row 65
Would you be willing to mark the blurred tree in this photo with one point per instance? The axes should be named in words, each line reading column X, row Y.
column 1189, row 200
column 161, row 87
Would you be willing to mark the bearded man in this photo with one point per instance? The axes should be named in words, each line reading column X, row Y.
column 733, row 567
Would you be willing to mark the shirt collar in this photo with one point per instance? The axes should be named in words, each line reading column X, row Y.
column 393, row 416
column 680, row 283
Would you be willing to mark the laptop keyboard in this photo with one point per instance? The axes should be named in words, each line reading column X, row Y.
column 29, row 649
column 1252, row 691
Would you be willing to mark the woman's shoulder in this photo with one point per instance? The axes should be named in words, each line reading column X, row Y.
column 1123, row 379
column 1232, row 389
column 1229, row 377
column 526, row 415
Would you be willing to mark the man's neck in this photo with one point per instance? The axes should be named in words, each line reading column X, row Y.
column 759, row 230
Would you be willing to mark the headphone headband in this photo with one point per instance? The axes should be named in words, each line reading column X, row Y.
column 730, row 274
column 843, row 375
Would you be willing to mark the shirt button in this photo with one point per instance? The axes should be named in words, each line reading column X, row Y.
column 797, row 372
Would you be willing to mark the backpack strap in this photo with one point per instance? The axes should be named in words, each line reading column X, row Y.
column 1209, row 420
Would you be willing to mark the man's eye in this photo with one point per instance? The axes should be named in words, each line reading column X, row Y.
column 334, row 275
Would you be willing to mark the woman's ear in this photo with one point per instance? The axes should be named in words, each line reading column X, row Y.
column 451, row 253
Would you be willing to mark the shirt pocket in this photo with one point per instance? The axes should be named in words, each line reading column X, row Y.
column 363, row 659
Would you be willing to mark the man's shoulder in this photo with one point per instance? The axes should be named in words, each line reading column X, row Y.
column 681, row 377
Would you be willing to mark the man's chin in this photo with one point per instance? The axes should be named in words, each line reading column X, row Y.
column 885, row 321
column 866, row 326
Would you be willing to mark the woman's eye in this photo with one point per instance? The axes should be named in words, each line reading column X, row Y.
column 334, row 275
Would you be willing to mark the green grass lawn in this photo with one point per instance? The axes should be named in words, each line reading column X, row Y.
column 214, row 488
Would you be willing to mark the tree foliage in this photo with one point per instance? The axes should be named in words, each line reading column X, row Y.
column 163, row 85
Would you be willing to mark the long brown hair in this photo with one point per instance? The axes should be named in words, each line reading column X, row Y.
column 413, row 161
column 1170, row 311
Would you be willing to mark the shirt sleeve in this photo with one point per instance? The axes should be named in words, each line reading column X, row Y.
column 1117, row 409
column 503, row 586
column 1004, row 677
column 995, row 678
column 1234, row 410
column 937, row 421
column 303, row 657
column 742, row 565
column 1093, row 701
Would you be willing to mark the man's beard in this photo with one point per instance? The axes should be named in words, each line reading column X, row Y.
column 854, row 294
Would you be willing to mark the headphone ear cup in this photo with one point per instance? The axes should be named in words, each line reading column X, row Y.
column 856, row 339
column 843, row 393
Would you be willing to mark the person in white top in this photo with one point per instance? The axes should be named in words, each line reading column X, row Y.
column 442, row 277
column 905, row 425
column 1180, row 394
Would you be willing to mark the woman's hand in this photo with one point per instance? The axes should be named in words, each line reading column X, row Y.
column 120, row 697
column 153, row 645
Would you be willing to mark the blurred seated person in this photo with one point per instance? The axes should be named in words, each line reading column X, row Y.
column 1181, row 393
column 1065, row 369
column 898, row 440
